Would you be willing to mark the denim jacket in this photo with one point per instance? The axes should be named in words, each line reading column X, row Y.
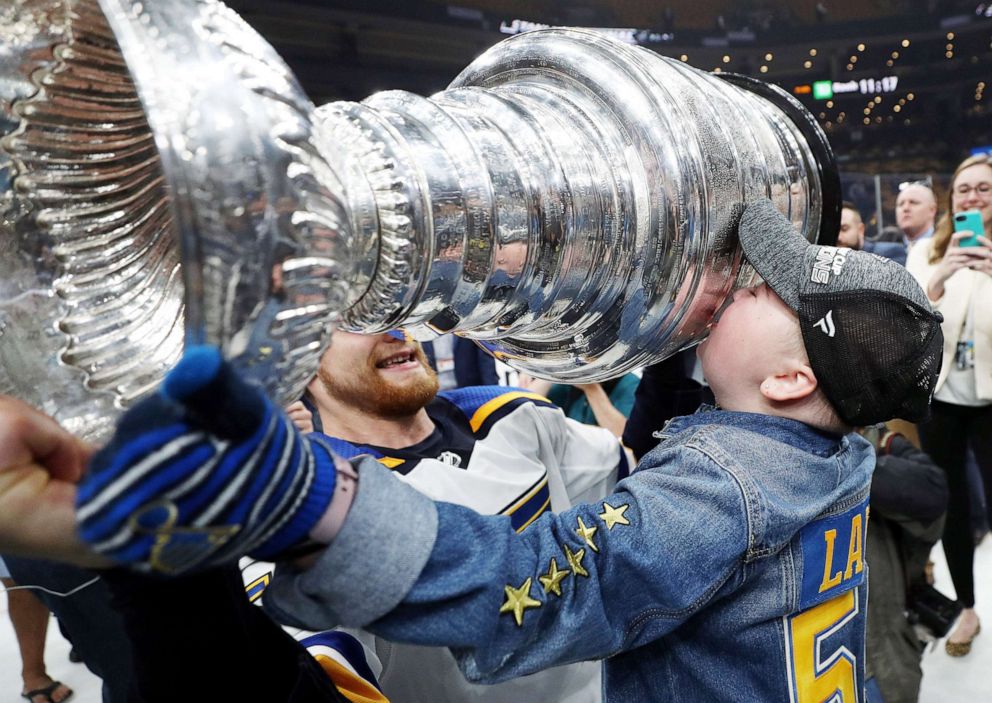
column 728, row 567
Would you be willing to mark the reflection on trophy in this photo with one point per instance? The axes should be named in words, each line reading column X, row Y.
column 569, row 202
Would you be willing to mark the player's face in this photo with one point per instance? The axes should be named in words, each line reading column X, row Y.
column 915, row 209
column 378, row 374
column 754, row 335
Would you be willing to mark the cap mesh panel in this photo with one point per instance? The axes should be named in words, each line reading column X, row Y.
column 884, row 356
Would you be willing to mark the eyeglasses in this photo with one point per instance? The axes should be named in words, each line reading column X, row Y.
column 983, row 189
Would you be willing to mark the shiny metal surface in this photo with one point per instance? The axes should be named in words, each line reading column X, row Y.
column 89, row 312
column 136, row 135
column 569, row 202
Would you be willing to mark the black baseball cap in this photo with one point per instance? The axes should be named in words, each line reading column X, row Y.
column 872, row 337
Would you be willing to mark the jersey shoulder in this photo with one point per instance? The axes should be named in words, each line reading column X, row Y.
column 346, row 450
column 482, row 406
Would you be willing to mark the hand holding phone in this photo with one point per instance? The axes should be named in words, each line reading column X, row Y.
column 969, row 221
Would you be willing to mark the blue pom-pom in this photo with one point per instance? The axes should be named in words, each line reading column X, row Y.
column 198, row 367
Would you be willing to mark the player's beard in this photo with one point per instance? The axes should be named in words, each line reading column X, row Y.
column 365, row 389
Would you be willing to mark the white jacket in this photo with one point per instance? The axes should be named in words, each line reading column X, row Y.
column 959, row 290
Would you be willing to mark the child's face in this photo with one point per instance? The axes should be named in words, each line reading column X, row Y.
column 757, row 335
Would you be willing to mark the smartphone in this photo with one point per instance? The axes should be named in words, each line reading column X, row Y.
column 969, row 221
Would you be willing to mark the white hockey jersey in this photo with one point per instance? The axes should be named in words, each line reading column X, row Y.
column 496, row 450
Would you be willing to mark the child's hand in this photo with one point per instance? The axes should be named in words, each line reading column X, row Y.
column 301, row 417
column 203, row 472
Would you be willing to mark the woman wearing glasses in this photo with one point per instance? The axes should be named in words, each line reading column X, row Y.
column 958, row 281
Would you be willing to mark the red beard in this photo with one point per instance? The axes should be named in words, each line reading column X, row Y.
column 365, row 389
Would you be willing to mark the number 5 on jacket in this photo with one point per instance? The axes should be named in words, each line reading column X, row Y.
column 824, row 640
column 817, row 676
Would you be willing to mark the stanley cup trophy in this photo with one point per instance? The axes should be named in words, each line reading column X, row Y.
column 569, row 202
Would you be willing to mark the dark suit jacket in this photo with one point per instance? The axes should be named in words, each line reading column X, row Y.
column 890, row 250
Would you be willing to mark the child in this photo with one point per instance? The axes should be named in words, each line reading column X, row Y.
column 729, row 566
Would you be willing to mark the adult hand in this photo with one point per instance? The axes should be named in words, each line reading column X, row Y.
column 984, row 263
column 40, row 464
column 588, row 388
column 203, row 472
column 534, row 385
column 301, row 416
column 603, row 409
column 956, row 258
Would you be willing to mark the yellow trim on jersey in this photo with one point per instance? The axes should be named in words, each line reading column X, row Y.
column 526, row 496
column 390, row 462
column 524, row 499
column 262, row 581
column 351, row 685
column 498, row 402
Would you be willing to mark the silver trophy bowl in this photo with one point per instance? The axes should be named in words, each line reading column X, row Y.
column 569, row 202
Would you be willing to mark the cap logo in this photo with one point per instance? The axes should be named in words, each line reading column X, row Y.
column 829, row 260
column 826, row 324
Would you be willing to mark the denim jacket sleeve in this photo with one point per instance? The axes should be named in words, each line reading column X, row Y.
column 582, row 584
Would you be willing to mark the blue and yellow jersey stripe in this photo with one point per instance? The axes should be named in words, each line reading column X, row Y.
column 354, row 680
column 484, row 405
column 254, row 589
column 530, row 505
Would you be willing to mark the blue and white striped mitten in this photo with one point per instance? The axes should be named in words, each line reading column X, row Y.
column 203, row 472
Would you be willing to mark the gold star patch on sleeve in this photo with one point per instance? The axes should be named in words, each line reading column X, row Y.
column 552, row 580
column 518, row 600
column 574, row 560
column 614, row 516
column 587, row 533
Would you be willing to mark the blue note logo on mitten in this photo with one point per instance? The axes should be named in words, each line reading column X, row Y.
column 201, row 473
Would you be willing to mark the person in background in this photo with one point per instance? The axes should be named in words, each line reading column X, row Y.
column 916, row 210
column 667, row 389
column 43, row 462
column 85, row 617
column 440, row 355
column 607, row 404
column 889, row 233
column 473, row 366
column 852, row 235
column 958, row 282
column 459, row 363
column 908, row 500
column 29, row 617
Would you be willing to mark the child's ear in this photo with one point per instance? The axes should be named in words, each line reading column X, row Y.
column 797, row 384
